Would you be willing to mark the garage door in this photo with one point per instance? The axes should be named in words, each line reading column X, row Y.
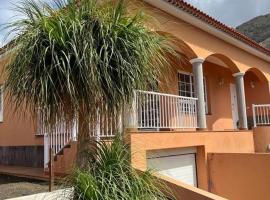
column 179, row 164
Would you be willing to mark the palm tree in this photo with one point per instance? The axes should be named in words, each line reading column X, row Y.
column 73, row 58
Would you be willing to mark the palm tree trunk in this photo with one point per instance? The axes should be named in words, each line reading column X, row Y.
column 85, row 143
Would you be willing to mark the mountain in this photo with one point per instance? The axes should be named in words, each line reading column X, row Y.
column 257, row 29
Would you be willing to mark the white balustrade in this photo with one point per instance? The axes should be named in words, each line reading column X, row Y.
column 158, row 110
column 58, row 137
column 149, row 110
column 261, row 114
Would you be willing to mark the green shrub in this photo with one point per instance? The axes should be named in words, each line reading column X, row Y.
column 111, row 176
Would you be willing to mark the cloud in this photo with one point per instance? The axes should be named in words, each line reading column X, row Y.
column 233, row 12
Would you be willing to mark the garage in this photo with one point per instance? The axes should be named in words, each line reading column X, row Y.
column 179, row 164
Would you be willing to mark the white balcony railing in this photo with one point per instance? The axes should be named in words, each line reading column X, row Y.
column 149, row 110
column 103, row 126
column 261, row 114
column 152, row 110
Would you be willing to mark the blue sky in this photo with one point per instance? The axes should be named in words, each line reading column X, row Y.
column 230, row 12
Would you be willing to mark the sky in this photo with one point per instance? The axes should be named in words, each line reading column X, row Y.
column 230, row 12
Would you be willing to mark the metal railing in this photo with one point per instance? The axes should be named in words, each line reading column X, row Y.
column 159, row 110
column 58, row 138
column 104, row 125
column 261, row 114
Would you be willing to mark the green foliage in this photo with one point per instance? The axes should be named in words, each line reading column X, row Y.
column 70, row 57
column 110, row 176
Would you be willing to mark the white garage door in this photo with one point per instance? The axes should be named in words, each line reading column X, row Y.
column 179, row 164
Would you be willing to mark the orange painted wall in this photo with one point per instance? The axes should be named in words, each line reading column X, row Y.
column 204, row 44
column 17, row 128
column 206, row 142
column 238, row 176
column 218, row 80
column 261, row 139
column 181, row 190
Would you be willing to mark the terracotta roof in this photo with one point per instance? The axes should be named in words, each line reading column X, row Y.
column 186, row 7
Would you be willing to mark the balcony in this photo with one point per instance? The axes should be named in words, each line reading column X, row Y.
column 152, row 110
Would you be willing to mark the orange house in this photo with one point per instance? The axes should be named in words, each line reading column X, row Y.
column 205, row 123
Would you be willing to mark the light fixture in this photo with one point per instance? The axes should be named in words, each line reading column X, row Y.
column 252, row 84
column 221, row 81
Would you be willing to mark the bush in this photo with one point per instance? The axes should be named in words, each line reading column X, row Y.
column 111, row 176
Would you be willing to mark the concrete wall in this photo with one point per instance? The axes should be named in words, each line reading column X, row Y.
column 261, row 138
column 205, row 142
column 240, row 176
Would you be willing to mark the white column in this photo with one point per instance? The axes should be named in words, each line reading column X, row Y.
column 197, row 66
column 46, row 150
column 131, row 114
column 98, row 129
column 75, row 130
column 241, row 99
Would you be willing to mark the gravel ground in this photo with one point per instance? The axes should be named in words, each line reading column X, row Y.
column 11, row 187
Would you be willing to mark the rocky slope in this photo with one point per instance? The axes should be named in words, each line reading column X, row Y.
column 258, row 29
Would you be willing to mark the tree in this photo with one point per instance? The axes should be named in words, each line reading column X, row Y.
column 71, row 59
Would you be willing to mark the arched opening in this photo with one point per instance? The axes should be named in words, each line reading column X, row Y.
column 161, row 107
column 256, row 91
column 169, row 83
column 180, row 46
column 221, row 93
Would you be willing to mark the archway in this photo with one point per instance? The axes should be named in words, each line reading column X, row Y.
column 169, row 83
column 221, row 92
column 256, row 91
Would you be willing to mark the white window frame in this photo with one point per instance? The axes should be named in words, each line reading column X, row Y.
column 192, row 86
column 1, row 103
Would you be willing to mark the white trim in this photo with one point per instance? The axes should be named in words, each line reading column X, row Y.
column 176, row 12
column 197, row 60
column 192, row 85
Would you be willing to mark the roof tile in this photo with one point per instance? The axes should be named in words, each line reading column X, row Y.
column 217, row 24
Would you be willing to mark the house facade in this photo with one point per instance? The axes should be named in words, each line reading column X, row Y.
column 213, row 102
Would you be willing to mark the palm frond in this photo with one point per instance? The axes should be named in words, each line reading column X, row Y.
column 71, row 57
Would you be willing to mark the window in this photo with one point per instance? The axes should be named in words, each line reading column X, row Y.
column 186, row 87
column 1, row 103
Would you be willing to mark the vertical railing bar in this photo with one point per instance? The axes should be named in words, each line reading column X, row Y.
column 267, row 114
column 141, row 107
column 151, row 110
column 162, row 112
column 176, row 112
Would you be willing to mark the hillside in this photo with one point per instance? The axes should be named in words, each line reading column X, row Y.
column 258, row 29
